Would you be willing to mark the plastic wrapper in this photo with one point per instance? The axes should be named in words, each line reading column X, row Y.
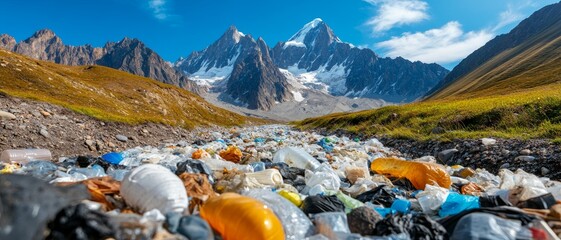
column 419, row 173
column 432, row 198
column 323, row 176
column 334, row 221
column 232, row 154
column 456, row 203
column 239, row 217
column 165, row 188
column 296, row 224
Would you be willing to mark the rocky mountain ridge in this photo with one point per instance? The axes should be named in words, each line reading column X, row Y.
column 130, row 55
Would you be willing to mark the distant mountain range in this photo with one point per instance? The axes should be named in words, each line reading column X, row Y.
column 313, row 59
column 246, row 72
column 130, row 55
column 526, row 57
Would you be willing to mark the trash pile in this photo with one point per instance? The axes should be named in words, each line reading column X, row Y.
column 268, row 182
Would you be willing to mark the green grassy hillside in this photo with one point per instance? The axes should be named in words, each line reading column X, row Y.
column 516, row 93
column 108, row 94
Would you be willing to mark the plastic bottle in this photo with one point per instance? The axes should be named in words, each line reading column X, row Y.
column 267, row 177
column 296, row 157
column 154, row 187
column 239, row 217
column 25, row 155
column 419, row 173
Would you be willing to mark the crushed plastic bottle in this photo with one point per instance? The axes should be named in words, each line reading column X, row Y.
column 296, row 157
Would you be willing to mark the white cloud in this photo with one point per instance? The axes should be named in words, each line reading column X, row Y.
column 441, row 45
column 159, row 9
column 510, row 15
column 393, row 13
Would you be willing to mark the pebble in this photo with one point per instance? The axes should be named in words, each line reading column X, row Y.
column 446, row 155
column 488, row 141
column 544, row 171
column 121, row 138
column 525, row 158
column 90, row 145
column 36, row 113
column 506, row 166
column 525, row 152
column 7, row 116
column 44, row 133
column 45, row 114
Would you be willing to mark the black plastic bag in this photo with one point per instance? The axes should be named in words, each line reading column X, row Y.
column 380, row 195
column 416, row 226
column 79, row 222
column 319, row 204
column 493, row 201
column 28, row 204
column 194, row 166
column 192, row 227
column 542, row 202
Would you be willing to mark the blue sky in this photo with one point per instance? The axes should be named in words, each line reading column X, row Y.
column 442, row 31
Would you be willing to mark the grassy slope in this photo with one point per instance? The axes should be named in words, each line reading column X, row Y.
column 517, row 94
column 108, row 94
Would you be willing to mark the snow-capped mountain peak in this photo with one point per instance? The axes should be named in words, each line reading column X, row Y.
column 307, row 36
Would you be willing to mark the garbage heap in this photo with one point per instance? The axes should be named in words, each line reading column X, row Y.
column 268, row 182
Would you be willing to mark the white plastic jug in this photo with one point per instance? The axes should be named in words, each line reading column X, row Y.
column 25, row 155
column 152, row 186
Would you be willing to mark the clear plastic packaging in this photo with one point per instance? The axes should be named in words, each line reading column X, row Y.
column 432, row 198
column 323, row 176
column 296, row 224
column 335, row 221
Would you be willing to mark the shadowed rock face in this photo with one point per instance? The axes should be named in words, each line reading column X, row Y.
column 247, row 75
column 255, row 80
column 130, row 55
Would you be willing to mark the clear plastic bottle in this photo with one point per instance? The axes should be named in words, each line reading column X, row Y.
column 25, row 155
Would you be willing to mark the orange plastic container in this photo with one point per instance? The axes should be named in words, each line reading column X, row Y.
column 418, row 173
column 238, row 217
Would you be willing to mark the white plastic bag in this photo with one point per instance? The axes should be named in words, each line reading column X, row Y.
column 154, row 187
column 432, row 198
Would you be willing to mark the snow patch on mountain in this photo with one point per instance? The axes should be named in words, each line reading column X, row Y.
column 326, row 80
